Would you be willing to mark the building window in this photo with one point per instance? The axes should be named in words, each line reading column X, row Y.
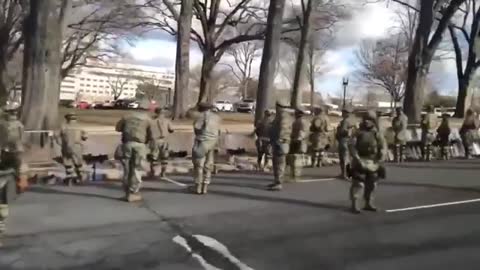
column 88, row 91
column 82, row 84
column 88, row 84
column 94, row 91
column 88, row 80
column 82, row 79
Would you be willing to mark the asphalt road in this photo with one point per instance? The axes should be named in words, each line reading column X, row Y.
column 239, row 225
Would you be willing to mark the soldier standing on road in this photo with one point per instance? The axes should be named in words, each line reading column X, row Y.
column 399, row 126
column 344, row 134
column 280, row 136
column 262, row 131
column 443, row 136
column 161, row 127
column 319, row 136
column 429, row 125
column 207, row 130
column 11, row 136
column 299, row 142
column 368, row 149
column 70, row 139
column 469, row 131
column 136, row 134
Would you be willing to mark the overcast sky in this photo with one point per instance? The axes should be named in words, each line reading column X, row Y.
column 370, row 21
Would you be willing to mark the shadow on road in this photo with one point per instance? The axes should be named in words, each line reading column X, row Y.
column 434, row 186
column 46, row 190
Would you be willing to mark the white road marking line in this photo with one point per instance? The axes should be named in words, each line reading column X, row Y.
column 431, row 206
column 317, row 180
column 174, row 182
column 215, row 245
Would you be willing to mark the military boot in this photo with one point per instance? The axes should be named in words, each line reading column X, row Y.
column 134, row 197
column 196, row 189
column 355, row 196
column 204, row 188
column 3, row 217
column 369, row 197
column 163, row 171
column 275, row 187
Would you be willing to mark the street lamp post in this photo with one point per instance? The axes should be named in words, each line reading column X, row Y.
column 345, row 84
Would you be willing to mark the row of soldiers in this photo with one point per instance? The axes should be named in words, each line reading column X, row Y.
column 362, row 149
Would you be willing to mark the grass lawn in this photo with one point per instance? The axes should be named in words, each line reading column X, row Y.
column 110, row 117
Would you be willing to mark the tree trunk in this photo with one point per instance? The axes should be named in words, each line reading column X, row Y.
column 41, row 69
column 182, row 63
column 296, row 99
column 462, row 106
column 3, row 86
column 265, row 92
column 414, row 93
column 312, row 90
column 208, row 64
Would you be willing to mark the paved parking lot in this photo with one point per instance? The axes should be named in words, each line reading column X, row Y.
column 430, row 218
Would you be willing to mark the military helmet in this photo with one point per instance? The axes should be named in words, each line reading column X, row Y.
column 445, row 115
column 430, row 108
column 370, row 115
column 469, row 112
column 159, row 110
column 70, row 116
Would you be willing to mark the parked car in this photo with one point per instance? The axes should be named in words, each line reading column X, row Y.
column 223, row 106
column 122, row 104
column 133, row 105
column 96, row 105
column 246, row 105
column 83, row 105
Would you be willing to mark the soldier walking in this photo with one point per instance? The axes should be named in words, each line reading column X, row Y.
column 368, row 150
column 280, row 137
column 299, row 143
column 344, row 134
column 159, row 150
column 207, row 130
column 429, row 125
column 262, row 131
column 319, row 140
column 136, row 133
column 11, row 136
column 469, row 131
column 399, row 126
column 443, row 137
column 71, row 139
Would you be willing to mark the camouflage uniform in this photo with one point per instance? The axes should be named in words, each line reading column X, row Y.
column 399, row 126
column 136, row 133
column 11, row 135
column 344, row 134
column 207, row 130
column 280, row 136
column 368, row 149
column 469, row 131
column 429, row 125
column 299, row 143
column 443, row 136
column 159, row 149
column 319, row 140
column 70, row 139
column 262, row 131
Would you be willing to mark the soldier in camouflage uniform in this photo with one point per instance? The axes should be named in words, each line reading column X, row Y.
column 161, row 127
column 299, row 142
column 71, row 139
column 399, row 126
column 344, row 134
column 262, row 131
column 11, row 136
column 368, row 150
column 469, row 131
column 207, row 131
column 429, row 125
column 319, row 140
column 280, row 137
column 443, row 137
column 136, row 134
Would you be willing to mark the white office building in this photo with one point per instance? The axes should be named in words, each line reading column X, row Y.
column 99, row 81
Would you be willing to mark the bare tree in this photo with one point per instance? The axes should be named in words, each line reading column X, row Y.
column 384, row 64
column 469, row 31
column 117, row 85
column 12, row 14
column 182, row 63
column 428, row 36
column 243, row 55
column 269, row 62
